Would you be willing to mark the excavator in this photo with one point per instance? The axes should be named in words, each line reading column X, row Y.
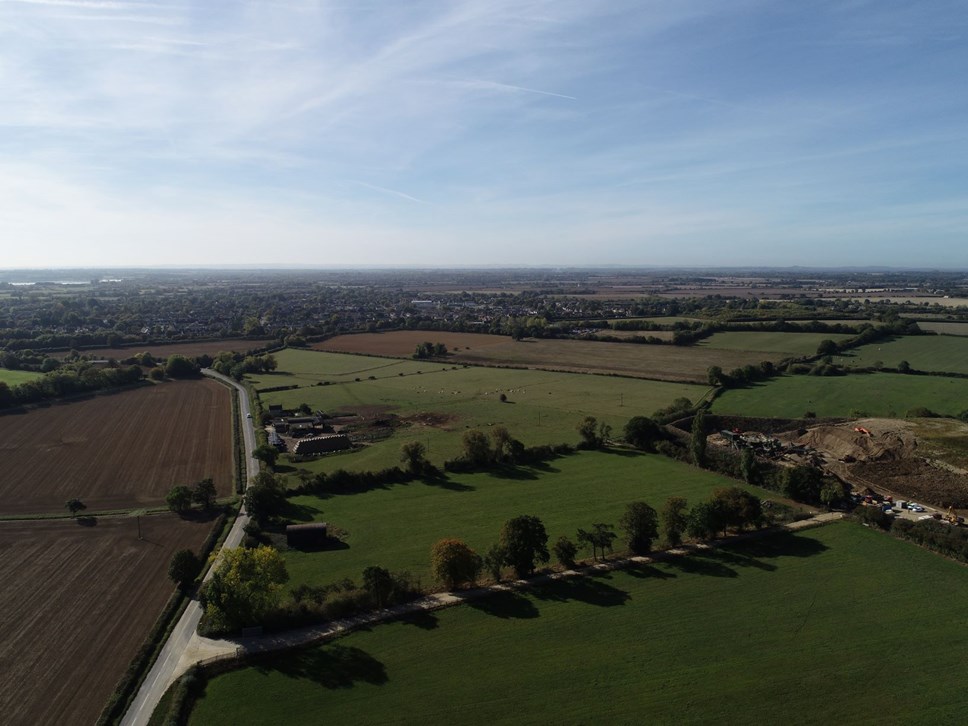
column 952, row 518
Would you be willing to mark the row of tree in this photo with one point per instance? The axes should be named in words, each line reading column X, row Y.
column 523, row 541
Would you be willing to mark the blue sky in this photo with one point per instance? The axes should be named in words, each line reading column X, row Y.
column 499, row 132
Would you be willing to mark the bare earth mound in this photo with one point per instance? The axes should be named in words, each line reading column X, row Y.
column 77, row 603
column 117, row 451
column 885, row 454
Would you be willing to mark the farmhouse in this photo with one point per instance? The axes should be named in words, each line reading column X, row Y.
column 306, row 535
column 322, row 444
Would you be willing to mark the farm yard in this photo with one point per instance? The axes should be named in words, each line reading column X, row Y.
column 797, row 624
column 875, row 394
column 117, row 451
column 79, row 599
column 566, row 493
column 437, row 404
column 938, row 353
column 660, row 362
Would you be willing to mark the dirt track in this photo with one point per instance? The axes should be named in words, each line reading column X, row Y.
column 117, row 451
column 76, row 604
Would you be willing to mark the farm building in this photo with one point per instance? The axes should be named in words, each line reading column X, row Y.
column 322, row 444
column 306, row 535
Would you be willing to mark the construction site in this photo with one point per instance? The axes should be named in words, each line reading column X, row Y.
column 877, row 457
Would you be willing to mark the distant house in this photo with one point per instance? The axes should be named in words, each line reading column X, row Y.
column 322, row 444
column 306, row 536
column 275, row 409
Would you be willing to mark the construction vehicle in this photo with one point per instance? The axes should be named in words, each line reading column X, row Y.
column 862, row 430
column 952, row 518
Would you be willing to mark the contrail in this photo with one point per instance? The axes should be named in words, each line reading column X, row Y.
column 494, row 84
column 394, row 192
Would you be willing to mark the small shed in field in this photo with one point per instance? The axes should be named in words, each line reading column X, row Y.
column 306, row 536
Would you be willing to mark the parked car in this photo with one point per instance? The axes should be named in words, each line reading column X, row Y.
column 915, row 507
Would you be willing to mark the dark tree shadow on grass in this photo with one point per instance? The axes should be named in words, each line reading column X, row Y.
column 708, row 565
column 331, row 666
column 507, row 605
column 421, row 619
column 784, row 544
column 86, row 521
column 591, row 590
column 298, row 512
column 649, row 572
column 443, row 482
column 626, row 453
column 518, row 473
column 741, row 559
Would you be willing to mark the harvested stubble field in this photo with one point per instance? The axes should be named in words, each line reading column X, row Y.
column 77, row 603
column 661, row 362
column 116, row 451
column 163, row 350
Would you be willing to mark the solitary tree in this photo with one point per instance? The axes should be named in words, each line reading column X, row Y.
column 414, row 455
column 600, row 537
column 525, row 543
column 493, row 561
column 827, row 347
column 264, row 496
column 903, row 367
column 266, row 454
column 589, row 433
column 674, row 520
column 378, row 584
column 454, row 563
column 738, row 508
column 204, row 494
column 184, row 568
column 74, row 506
column 641, row 526
column 565, row 551
column 642, row 433
column 244, row 588
column 179, row 498
column 477, row 449
column 178, row 366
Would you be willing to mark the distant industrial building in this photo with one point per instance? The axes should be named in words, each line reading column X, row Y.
column 322, row 444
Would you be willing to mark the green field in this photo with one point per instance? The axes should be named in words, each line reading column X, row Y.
column 835, row 625
column 944, row 353
column 543, row 407
column 945, row 328
column 876, row 394
column 15, row 378
column 771, row 343
column 395, row 527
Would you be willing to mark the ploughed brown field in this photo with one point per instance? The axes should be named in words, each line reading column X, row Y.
column 77, row 603
column 660, row 362
column 117, row 451
column 162, row 351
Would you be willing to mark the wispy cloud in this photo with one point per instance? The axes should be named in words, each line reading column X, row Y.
column 391, row 192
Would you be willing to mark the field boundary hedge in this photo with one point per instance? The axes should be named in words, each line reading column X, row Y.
column 138, row 670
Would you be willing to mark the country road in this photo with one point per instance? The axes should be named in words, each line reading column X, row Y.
column 166, row 667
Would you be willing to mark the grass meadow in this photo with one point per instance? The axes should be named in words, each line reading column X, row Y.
column 875, row 394
column 834, row 625
column 441, row 402
column 939, row 353
column 770, row 344
column 394, row 527
column 15, row 378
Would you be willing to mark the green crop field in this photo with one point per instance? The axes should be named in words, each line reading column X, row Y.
column 876, row 394
column 15, row 378
column 944, row 353
column 395, row 527
column 835, row 625
column 441, row 402
column 771, row 344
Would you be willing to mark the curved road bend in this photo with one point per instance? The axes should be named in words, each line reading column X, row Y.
column 164, row 671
